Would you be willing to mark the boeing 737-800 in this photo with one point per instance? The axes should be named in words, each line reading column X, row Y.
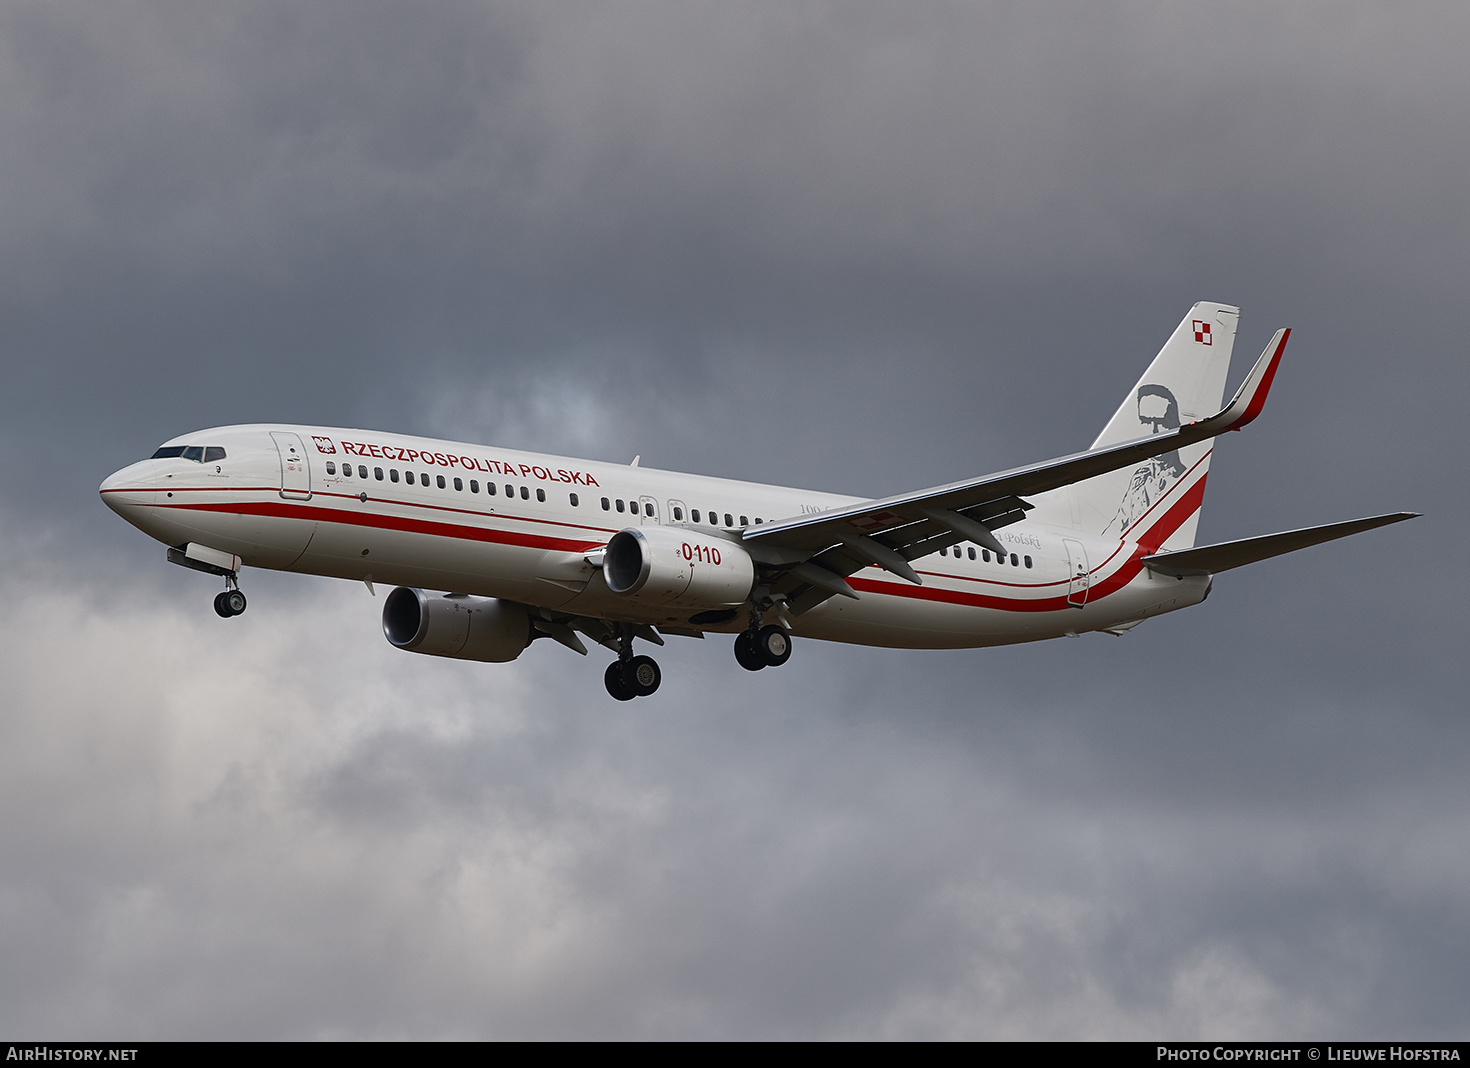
column 531, row 546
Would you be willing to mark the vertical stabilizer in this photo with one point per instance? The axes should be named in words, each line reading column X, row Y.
column 1158, row 501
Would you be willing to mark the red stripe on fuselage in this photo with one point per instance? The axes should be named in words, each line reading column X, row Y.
column 316, row 513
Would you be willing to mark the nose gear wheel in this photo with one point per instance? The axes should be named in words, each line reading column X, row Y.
column 229, row 603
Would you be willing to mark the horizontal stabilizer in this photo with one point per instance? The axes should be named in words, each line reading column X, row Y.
column 1212, row 559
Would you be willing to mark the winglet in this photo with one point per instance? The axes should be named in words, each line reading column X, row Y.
column 1251, row 397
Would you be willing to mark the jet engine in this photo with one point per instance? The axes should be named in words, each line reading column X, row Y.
column 677, row 566
column 456, row 625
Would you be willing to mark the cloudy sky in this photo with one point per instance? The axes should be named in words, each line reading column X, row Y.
column 862, row 247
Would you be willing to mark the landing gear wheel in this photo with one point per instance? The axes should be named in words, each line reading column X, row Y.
column 773, row 645
column 746, row 653
column 221, row 609
column 616, row 685
column 234, row 600
column 643, row 675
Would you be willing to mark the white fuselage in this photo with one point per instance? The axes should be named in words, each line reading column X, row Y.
column 528, row 539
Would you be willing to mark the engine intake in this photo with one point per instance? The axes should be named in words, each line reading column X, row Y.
column 677, row 566
column 456, row 625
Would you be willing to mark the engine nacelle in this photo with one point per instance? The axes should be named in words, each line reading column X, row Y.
column 678, row 567
column 456, row 625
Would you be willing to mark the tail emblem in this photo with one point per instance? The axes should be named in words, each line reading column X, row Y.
column 1202, row 332
column 1159, row 411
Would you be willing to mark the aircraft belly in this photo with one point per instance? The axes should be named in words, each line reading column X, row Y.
column 411, row 558
column 904, row 623
column 598, row 601
column 924, row 619
column 268, row 541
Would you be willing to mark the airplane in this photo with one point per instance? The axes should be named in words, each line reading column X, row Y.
column 532, row 546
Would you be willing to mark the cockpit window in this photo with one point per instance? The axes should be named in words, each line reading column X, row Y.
column 197, row 453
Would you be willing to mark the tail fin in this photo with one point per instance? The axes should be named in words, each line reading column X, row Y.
column 1158, row 502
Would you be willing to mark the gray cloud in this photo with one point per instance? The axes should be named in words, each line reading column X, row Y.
column 843, row 245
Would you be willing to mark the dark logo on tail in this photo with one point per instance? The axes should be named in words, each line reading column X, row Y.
column 1159, row 411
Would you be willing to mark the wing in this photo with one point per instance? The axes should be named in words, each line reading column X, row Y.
column 815, row 553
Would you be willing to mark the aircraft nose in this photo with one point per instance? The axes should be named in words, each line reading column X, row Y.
column 129, row 492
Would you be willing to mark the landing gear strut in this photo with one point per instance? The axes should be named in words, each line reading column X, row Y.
column 631, row 676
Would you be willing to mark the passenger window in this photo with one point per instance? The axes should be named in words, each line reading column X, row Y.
column 759, row 520
column 525, row 494
column 490, row 488
column 378, row 473
column 971, row 551
column 678, row 514
column 694, row 514
column 985, row 555
column 744, row 522
column 1014, row 562
column 213, row 454
column 510, row 491
column 458, row 484
column 619, row 503
column 729, row 520
column 648, row 508
column 392, row 474
column 474, row 485
column 408, row 477
column 195, row 453
column 573, row 497
column 541, row 495
column 347, row 470
column 1028, row 561
column 362, row 470
column 440, row 480
column 331, row 468
column 604, row 504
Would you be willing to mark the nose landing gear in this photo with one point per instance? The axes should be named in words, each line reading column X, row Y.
column 231, row 602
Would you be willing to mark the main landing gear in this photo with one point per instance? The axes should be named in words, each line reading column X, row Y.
column 637, row 676
column 768, row 646
column 631, row 676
